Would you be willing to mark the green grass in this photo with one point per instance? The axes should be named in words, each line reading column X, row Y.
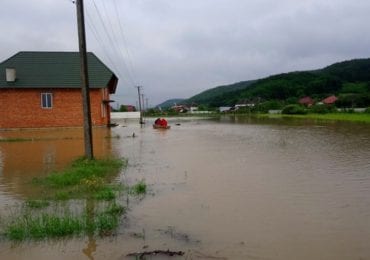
column 106, row 193
column 39, row 227
column 139, row 188
column 84, row 170
column 83, row 179
column 351, row 117
column 37, row 204
column 115, row 210
column 48, row 225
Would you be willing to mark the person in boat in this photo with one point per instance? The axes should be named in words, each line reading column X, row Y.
column 164, row 122
column 161, row 122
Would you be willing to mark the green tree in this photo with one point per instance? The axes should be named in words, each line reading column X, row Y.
column 122, row 108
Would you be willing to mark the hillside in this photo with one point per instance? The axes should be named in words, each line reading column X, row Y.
column 170, row 102
column 348, row 79
column 212, row 96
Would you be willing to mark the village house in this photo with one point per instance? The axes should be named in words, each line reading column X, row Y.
column 43, row 89
column 180, row 108
column 306, row 101
column 329, row 100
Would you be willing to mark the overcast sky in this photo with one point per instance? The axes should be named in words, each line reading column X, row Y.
column 179, row 48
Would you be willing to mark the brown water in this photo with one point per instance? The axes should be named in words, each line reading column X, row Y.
column 218, row 189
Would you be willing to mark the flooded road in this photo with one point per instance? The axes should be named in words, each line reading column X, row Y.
column 218, row 189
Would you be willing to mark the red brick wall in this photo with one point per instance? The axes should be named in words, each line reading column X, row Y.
column 21, row 108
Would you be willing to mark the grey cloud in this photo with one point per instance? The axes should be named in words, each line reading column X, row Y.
column 180, row 48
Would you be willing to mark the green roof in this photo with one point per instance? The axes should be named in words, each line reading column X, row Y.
column 55, row 70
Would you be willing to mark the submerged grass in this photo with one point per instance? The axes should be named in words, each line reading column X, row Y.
column 46, row 225
column 84, row 170
column 37, row 204
column 106, row 193
column 49, row 225
column 139, row 188
column 84, row 179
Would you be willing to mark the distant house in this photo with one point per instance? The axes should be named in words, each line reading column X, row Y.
column 224, row 109
column 193, row 109
column 130, row 108
column 306, row 101
column 180, row 108
column 329, row 100
column 43, row 89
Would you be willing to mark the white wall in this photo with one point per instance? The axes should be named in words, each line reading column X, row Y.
column 119, row 115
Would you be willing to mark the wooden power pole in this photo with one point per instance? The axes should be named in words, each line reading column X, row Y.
column 141, row 113
column 84, row 81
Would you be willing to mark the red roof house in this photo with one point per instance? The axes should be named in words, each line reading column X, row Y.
column 330, row 100
column 43, row 89
column 306, row 101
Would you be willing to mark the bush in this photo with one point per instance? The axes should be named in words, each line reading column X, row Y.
column 367, row 110
column 294, row 110
column 319, row 109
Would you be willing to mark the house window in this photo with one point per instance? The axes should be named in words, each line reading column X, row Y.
column 103, row 111
column 46, row 100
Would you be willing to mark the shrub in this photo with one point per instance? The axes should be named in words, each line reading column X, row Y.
column 294, row 110
column 319, row 109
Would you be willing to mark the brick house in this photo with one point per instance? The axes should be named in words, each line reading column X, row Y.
column 42, row 89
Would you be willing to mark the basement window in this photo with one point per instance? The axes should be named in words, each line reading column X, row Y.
column 46, row 100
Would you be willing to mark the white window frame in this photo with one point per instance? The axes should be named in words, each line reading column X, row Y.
column 47, row 100
column 103, row 110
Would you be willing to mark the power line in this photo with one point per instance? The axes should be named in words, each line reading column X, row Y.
column 118, row 15
column 98, row 38
column 129, row 71
column 111, row 40
column 109, row 36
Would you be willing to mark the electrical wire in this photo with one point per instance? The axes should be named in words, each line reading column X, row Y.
column 111, row 37
column 116, row 41
column 118, row 15
column 111, row 41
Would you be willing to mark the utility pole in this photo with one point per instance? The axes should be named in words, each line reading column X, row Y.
column 142, row 100
column 143, row 107
column 84, row 81
column 141, row 114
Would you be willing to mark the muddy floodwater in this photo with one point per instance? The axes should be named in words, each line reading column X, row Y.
column 228, row 188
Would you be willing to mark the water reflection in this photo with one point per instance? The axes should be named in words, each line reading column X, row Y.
column 233, row 187
column 91, row 244
column 42, row 151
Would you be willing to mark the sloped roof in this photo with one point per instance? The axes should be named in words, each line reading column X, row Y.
column 306, row 101
column 330, row 100
column 55, row 70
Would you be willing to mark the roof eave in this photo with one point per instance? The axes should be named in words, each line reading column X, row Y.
column 112, row 84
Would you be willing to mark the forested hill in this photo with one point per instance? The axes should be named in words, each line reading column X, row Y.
column 212, row 96
column 170, row 103
column 343, row 78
